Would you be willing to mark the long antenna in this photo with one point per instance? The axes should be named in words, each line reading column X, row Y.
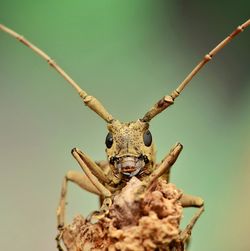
column 168, row 100
column 90, row 101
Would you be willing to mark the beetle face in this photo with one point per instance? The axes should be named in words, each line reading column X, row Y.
column 130, row 149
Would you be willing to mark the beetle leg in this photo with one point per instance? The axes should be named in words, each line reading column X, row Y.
column 165, row 165
column 89, row 169
column 105, row 205
column 186, row 233
column 81, row 180
column 95, row 169
column 188, row 200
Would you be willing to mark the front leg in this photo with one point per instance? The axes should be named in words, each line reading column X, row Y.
column 165, row 165
column 88, row 181
column 92, row 171
column 92, row 165
column 89, row 169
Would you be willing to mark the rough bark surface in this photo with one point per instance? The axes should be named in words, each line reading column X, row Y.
column 139, row 219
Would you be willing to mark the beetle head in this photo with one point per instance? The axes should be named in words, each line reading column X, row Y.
column 129, row 147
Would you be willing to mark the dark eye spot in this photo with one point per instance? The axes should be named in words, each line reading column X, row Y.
column 147, row 138
column 109, row 140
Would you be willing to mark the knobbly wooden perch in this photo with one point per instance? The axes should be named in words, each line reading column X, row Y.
column 139, row 219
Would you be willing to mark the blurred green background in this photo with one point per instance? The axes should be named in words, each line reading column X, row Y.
column 128, row 54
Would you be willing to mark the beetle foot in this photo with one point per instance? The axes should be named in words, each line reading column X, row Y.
column 59, row 237
column 104, row 210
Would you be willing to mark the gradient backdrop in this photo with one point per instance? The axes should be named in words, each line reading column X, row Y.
column 128, row 54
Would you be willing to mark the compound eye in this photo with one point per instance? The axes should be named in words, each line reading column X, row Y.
column 109, row 140
column 147, row 138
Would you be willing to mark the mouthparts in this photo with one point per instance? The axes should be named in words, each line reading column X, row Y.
column 129, row 165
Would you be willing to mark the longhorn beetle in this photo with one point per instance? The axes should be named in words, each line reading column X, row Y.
column 129, row 146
